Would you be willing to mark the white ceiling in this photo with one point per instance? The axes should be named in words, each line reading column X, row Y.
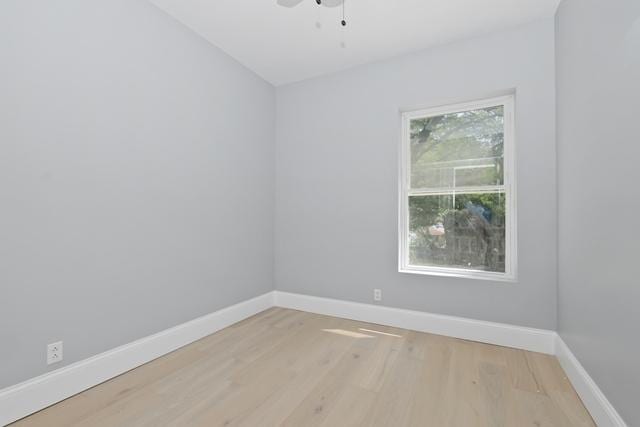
column 284, row 45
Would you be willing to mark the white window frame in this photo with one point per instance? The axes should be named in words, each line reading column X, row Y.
column 510, row 274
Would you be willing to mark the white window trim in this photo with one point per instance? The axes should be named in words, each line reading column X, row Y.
column 510, row 274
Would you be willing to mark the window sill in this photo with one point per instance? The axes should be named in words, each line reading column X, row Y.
column 459, row 273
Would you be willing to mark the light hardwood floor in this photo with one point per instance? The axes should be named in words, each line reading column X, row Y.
column 291, row 368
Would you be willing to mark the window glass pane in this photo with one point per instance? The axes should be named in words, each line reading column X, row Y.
column 458, row 149
column 458, row 230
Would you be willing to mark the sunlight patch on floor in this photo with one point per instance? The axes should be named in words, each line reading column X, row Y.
column 380, row 332
column 346, row 333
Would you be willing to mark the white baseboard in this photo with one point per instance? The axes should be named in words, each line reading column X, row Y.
column 601, row 410
column 35, row 394
column 539, row 340
column 25, row 398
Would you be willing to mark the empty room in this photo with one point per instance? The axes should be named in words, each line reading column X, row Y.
column 319, row 213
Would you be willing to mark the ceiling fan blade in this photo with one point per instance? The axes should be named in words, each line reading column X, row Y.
column 332, row 3
column 289, row 3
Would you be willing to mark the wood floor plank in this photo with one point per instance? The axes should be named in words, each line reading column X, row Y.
column 535, row 410
column 291, row 368
column 433, row 391
column 328, row 395
column 352, row 408
column 394, row 400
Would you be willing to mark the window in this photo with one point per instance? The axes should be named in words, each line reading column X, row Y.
column 457, row 204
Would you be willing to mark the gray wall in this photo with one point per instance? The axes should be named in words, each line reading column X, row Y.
column 136, row 178
column 337, row 177
column 598, row 66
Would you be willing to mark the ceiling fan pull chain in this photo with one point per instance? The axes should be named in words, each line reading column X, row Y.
column 288, row 3
column 344, row 22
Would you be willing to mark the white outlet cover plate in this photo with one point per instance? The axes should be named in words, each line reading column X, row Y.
column 54, row 352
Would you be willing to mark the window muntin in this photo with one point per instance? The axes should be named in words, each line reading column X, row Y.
column 457, row 204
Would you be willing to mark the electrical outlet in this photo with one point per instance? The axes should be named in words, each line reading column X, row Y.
column 54, row 352
column 377, row 294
